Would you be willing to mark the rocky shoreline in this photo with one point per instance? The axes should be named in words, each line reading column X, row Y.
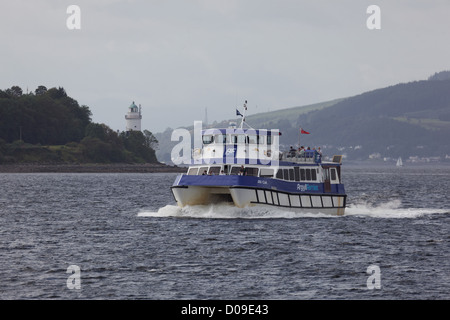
column 89, row 168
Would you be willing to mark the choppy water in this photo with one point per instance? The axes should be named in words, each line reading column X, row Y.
column 131, row 241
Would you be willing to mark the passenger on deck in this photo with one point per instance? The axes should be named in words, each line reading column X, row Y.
column 242, row 171
column 291, row 153
column 301, row 151
column 317, row 155
column 309, row 153
column 221, row 173
column 204, row 173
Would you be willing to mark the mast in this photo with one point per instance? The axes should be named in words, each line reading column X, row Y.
column 243, row 117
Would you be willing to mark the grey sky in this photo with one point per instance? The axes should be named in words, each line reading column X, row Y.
column 177, row 58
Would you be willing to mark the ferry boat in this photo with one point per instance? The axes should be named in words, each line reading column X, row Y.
column 245, row 168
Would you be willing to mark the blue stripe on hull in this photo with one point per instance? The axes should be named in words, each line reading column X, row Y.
column 258, row 183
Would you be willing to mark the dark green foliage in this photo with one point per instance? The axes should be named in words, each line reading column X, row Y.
column 102, row 144
column 150, row 140
column 40, row 90
column 14, row 92
column 95, row 150
column 49, row 117
column 52, row 118
column 137, row 143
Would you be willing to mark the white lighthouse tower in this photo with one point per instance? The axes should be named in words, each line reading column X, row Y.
column 133, row 118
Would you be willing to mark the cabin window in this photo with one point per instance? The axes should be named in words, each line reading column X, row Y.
column 302, row 174
column 266, row 173
column 261, row 139
column 238, row 138
column 269, row 140
column 308, row 174
column 214, row 170
column 208, row 139
column 333, row 174
column 193, row 171
column 220, row 138
column 296, row 174
column 291, row 174
column 251, row 172
column 280, row 174
column 235, row 170
column 326, row 174
column 285, row 174
column 253, row 139
column 313, row 175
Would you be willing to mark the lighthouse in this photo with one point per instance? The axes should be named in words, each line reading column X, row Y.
column 133, row 118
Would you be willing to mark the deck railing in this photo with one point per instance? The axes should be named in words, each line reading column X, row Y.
column 307, row 156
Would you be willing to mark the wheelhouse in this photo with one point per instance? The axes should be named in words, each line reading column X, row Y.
column 312, row 174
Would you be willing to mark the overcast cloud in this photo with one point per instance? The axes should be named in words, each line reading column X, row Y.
column 177, row 58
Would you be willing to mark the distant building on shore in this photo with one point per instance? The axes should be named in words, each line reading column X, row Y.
column 134, row 117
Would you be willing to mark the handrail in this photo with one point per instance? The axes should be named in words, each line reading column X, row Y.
column 311, row 156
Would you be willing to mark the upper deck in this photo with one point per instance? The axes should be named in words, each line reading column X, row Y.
column 247, row 146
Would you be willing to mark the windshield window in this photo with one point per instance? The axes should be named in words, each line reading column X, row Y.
column 238, row 138
column 208, row 139
column 220, row 138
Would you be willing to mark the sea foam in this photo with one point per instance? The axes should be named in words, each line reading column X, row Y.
column 390, row 209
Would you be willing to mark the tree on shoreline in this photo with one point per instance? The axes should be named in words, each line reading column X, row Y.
column 50, row 117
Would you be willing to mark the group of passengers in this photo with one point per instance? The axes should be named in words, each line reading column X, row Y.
column 303, row 152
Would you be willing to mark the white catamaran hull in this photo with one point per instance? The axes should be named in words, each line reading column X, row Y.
column 243, row 197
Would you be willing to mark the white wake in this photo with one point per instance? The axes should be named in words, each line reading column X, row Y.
column 391, row 209
column 227, row 211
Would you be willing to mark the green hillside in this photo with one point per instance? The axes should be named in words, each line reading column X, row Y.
column 407, row 120
column 411, row 120
column 261, row 120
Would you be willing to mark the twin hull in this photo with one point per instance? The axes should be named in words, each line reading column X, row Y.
column 246, row 191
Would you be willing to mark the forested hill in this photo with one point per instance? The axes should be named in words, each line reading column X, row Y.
column 48, row 117
column 411, row 120
column 408, row 120
column 50, row 126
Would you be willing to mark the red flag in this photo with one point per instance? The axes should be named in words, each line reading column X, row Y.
column 303, row 131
